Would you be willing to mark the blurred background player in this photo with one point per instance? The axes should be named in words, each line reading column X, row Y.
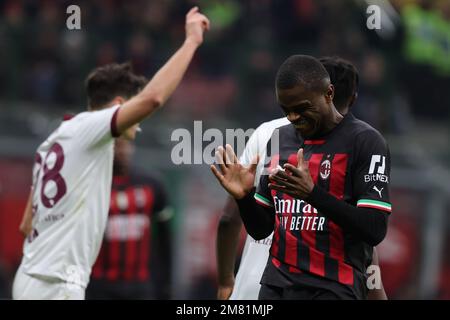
column 345, row 78
column 135, row 258
column 69, row 200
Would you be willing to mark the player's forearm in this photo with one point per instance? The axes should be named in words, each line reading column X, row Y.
column 26, row 224
column 165, row 81
column 158, row 90
column 227, row 242
column 377, row 294
column 368, row 224
column 258, row 220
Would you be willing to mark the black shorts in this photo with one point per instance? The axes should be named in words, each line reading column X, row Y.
column 305, row 285
column 269, row 292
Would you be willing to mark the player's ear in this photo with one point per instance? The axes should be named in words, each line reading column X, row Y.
column 118, row 100
column 353, row 99
column 329, row 94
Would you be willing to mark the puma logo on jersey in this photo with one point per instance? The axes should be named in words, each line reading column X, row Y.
column 378, row 190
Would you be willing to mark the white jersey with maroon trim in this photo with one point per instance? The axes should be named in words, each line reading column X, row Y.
column 256, row 253
column 71, row 194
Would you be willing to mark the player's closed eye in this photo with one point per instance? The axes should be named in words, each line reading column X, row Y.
column 296, row 110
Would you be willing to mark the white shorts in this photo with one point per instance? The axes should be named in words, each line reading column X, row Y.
column 26, row 287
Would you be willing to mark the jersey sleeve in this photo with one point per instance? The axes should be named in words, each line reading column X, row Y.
column 263, row 194
column 161, row 197
column 98, row 126
column 372, row 169
column 256, row 146
column 161, row 209
column 251, row 149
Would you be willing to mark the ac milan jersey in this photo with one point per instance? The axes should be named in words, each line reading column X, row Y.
column 71, row 191
column 352, row 163
column 136, row 200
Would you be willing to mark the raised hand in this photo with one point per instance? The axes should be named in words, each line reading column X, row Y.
column 234, row 177
column 196, row 24
column 294, row 181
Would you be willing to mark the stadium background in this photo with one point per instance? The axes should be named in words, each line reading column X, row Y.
column 404, row 76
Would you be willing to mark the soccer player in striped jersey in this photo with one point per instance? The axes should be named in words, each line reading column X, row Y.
column 69, row 201
column 344, row 76
column 135, row 258
column 325, row 258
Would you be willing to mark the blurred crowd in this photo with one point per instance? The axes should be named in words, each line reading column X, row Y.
column 404, row 76
column 43, row 61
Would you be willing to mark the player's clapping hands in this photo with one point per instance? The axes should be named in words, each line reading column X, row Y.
column 196, row 25
column 294, row 181
column 234, row 177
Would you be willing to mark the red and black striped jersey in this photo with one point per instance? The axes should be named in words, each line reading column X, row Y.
column 136, row 201
column 352, row 163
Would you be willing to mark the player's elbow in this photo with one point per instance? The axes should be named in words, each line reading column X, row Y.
column 24, row 230
column 259, row 236
column 227, row 222
column 375, row 239
column 378, row 232
column 150, row 101
column 260, row 233
column 155, row 99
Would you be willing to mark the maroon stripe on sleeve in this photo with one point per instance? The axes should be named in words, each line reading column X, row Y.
column 114, row 244
column 131, row 242
column 114, row 131
column 144, row 252
column 337, row 185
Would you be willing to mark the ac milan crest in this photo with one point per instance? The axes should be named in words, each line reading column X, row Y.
column 325, row 169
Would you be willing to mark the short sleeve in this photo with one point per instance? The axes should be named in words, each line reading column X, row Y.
column 163, row 210
column 260, row 143
column 161, row 199
column 372, row 169
column 256, row 146
column 251, row 149
column 97, row 127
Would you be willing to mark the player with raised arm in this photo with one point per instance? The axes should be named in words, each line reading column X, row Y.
column 344, row 76
column 72, row 175
column 321, row 205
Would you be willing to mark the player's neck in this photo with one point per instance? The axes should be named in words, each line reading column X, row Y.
column 331, row 122
column 120, row 170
